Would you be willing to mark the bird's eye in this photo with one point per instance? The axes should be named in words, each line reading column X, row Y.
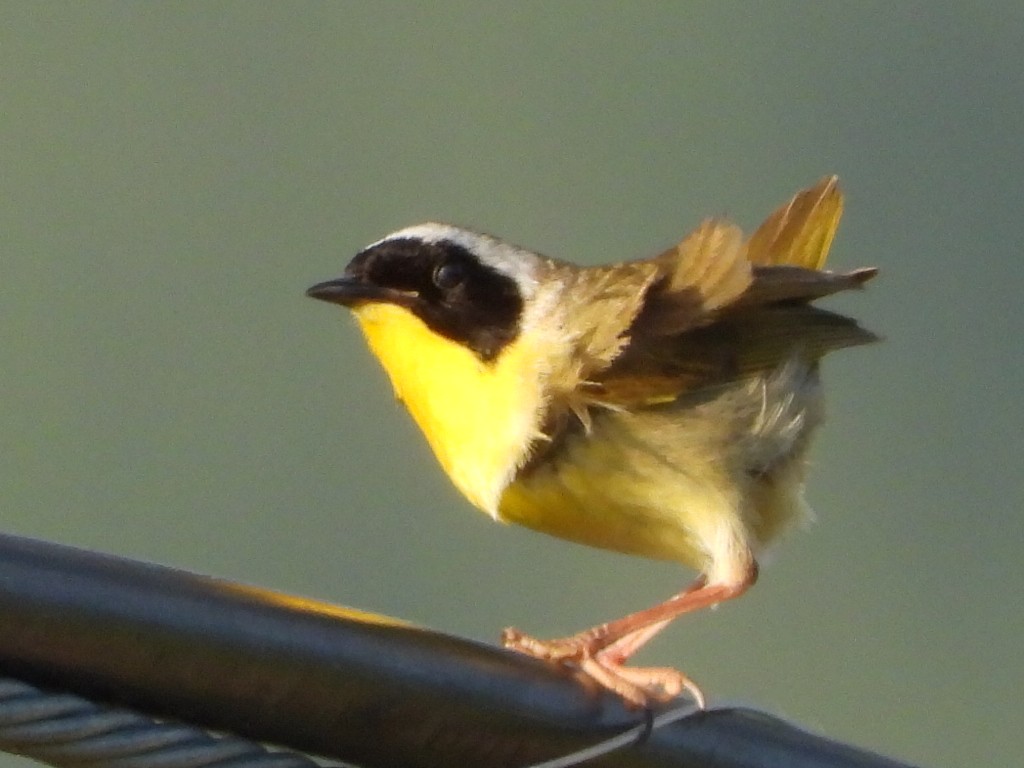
column 448, row 275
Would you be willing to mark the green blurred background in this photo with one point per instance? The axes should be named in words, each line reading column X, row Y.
column 175, row 175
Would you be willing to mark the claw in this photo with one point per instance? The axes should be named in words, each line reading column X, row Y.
column 660, row 683
column 601, row 652
column 638, row 686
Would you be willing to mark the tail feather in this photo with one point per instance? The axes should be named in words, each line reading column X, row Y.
column 790, row 248
column 800, row 232
column 787, row 283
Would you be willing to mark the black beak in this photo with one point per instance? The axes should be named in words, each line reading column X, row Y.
column 344, row 290
column 349, row 291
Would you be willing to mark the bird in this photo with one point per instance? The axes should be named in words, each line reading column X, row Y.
column 659, row 407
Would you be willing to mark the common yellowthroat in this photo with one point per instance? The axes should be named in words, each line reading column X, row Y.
column 660, row 407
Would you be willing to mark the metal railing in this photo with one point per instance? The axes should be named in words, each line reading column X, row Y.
column 179, row 651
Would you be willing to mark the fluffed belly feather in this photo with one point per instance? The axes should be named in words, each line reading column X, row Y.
column 706, row 480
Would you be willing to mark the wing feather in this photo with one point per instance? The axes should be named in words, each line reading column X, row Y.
column 716, row 308
column 743, row 345
column 706, row 272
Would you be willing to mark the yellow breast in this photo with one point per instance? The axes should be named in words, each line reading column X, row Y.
column 616, row 488
column 478, row 417
column 666, row 483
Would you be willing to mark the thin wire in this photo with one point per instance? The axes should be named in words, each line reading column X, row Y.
column 67, row 731
column 635, row 736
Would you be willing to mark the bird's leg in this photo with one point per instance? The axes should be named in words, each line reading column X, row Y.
column 622, row 649
column 602, row 650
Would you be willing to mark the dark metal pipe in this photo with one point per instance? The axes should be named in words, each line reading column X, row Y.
column 332, row 681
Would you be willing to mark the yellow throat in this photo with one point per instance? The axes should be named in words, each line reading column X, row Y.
column 478, row 417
